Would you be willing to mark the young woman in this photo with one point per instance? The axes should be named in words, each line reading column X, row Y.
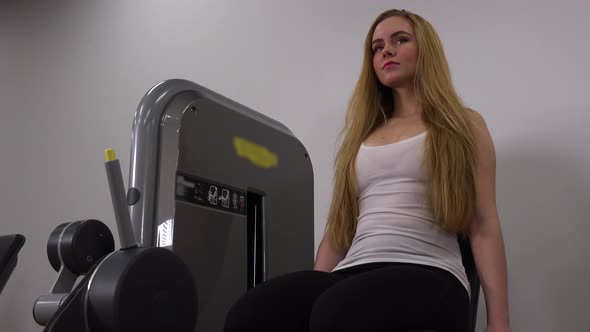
column 416, row 168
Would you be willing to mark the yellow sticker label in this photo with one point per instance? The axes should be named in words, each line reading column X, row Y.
column 255, row 153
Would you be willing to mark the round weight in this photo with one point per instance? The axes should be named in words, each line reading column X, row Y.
column 84, row 243
column 53, row 246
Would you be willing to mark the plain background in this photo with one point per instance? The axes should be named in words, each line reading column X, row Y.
column 73, row 72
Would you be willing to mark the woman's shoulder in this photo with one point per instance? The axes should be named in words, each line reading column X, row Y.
column 480, row 128
column 475, row 117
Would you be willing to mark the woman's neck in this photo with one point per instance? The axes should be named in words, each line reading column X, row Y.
column 405, row 104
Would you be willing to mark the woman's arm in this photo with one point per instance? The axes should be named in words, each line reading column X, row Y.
column 328, row 257
column 486, row 234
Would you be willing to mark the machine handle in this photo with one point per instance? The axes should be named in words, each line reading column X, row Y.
column 113, row 169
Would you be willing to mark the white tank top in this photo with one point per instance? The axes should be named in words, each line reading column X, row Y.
column 395, row 222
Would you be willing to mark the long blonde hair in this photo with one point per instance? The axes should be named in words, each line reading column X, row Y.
column 450, row 149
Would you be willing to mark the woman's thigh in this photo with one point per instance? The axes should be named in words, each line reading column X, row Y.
column 280, row 304
column 399, row 297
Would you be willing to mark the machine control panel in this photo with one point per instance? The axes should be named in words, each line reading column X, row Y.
column 203, row 192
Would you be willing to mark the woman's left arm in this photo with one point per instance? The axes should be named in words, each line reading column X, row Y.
column 486, row 234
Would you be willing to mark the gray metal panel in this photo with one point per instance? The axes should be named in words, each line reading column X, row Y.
column 144, row 144
column 213, row 244
column 215, row 252
column 196, row 135
column 206, row 150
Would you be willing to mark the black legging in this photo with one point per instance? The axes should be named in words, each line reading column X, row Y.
column 366, row 298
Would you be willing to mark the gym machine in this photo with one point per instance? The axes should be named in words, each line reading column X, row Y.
column 219, row 199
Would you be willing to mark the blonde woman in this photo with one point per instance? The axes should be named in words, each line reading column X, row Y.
column 415, row 169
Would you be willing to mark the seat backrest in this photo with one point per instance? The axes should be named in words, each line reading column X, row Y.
column 473, row 277
column 10, row 245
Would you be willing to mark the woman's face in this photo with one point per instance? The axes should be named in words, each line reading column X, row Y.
column 395, row 52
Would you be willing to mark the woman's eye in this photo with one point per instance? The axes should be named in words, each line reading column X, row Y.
column 401, row 41
column 378, row 49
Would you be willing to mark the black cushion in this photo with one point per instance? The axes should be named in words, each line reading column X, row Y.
column 10, row 245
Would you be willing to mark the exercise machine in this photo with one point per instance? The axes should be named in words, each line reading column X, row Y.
column 220, row 198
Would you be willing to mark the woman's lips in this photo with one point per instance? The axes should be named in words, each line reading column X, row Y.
column 390, row 64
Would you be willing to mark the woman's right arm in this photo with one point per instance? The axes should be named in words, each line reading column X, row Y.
column 328, row 257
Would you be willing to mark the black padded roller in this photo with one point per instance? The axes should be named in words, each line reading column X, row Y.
column 142, row 289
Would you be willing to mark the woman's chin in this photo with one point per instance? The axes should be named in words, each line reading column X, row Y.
column 397, row 84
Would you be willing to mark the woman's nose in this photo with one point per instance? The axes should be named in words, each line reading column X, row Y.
column 388, row 50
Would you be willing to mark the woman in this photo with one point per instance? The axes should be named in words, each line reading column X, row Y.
column 415, row 169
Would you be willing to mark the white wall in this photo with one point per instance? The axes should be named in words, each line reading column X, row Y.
column 73, row 72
